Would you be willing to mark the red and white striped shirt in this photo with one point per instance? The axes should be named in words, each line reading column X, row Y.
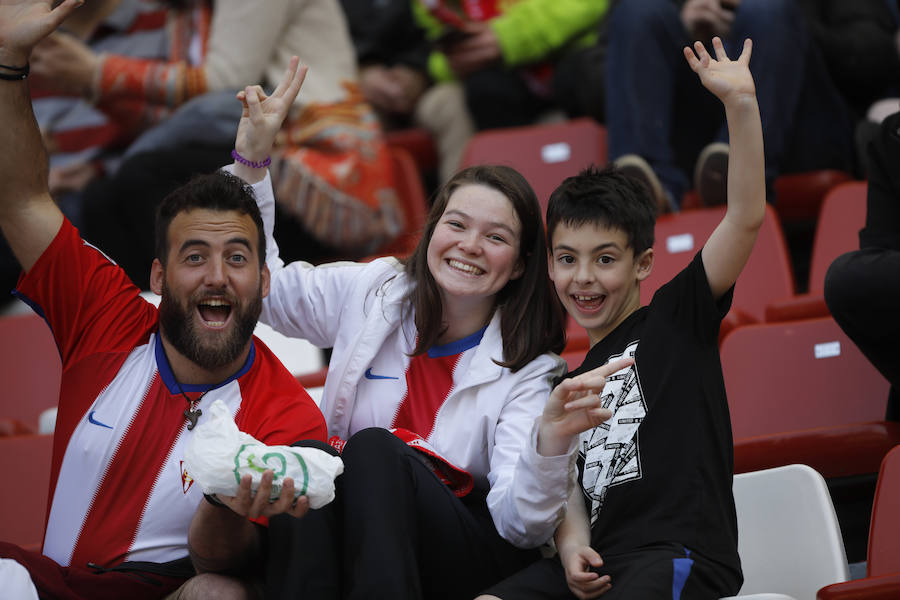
column 118, row 490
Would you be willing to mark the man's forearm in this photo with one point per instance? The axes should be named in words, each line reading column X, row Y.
column 221, row 540
column 23, row 160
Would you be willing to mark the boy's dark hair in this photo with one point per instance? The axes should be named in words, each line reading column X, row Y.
column 531, row 320
column 608, row 198
column 219, row 191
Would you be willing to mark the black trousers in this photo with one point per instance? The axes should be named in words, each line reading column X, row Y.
column 393, row 531
column 862, row 288
column 666, row 571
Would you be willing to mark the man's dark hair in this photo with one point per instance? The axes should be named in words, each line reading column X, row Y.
column 219, row 191
column 607, row 198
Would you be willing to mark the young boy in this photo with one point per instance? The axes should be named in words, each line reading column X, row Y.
column 654, row 493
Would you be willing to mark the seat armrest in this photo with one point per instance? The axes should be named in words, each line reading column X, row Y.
column 869, row 588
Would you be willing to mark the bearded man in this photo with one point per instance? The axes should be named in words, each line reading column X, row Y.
column 136, row 379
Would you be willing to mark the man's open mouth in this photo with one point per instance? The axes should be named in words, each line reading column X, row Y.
column 214, row 312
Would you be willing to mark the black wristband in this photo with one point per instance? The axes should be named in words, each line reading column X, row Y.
column 18, row 73
column 211, row 498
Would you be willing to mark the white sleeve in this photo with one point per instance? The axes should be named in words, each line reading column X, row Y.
column 304, row 300
column 528, row 491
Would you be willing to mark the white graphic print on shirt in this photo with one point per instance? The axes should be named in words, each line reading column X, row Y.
column 610, row 451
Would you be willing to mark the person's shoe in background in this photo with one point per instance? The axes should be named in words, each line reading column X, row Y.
column 637, row 168
column 711, row 175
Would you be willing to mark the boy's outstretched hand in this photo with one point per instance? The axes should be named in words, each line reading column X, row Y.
column 728, row 79
column 575, row 406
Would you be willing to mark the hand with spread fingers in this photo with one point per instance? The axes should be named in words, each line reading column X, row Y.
column 728, row 79
column 24, row 23
column 575, row 406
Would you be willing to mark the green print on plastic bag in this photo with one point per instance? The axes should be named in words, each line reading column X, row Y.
column 265, row 464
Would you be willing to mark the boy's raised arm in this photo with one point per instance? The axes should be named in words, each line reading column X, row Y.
column 729, row 246
column 28, row 216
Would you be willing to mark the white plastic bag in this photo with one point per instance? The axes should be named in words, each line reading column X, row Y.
column 219, row 454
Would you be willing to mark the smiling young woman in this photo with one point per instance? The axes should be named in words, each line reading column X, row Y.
column 445, row 356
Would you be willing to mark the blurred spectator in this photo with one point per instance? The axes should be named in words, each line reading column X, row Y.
column 516, row 60
column 861, row 45
column 392, row 53
column 84, row 134
column 333, row 173
column 657, row 112
column 862, row 288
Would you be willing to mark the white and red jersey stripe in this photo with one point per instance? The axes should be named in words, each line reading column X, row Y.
column 118, row 490
column 420, row 392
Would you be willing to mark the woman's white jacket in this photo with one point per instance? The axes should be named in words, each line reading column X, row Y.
column 487, row 424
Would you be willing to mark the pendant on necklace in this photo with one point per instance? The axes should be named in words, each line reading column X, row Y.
column 192, row 416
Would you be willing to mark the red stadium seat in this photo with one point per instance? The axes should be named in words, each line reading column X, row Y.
column 25, row 464
column 799, row 196
column 766, row 277
column 314, row 379
column 883, row 565
column 803, row 392
column 544, row 154
column 842, row 215
column 30, row 369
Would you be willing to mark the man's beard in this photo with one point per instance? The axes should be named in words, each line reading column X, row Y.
column 177, row 323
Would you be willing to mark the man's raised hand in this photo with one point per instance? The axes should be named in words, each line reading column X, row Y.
column 24, row 23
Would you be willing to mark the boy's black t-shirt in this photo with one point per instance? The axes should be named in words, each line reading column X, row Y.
column 660, row 470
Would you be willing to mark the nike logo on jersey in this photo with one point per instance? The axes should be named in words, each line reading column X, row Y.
column 371, row 375
column 94, row 421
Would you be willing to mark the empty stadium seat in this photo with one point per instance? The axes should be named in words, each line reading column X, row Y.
column 545, row 154
column 842, row 215
column 799, row 196
column 789, row 539
column 882, row 579
column 25, row 464
column 766, row 277
column 803, row 392
column 30, row 370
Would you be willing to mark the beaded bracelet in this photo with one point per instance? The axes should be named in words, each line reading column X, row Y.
column 19, row 73
column 251, row 163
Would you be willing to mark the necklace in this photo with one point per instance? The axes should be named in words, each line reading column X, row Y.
column 191, row 413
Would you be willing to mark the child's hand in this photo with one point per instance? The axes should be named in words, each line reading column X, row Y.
column 582, row 581
column 263, row 115
column 575, row 406
column 728, row 79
